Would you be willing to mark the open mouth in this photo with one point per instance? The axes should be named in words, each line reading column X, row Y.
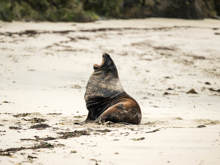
column 96, row 66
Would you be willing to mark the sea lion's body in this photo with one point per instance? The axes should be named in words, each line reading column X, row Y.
column 105, row 98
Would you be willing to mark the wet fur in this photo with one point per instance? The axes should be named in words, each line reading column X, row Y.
column 126, row 110
column 105, row 98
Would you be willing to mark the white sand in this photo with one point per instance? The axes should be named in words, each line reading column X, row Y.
column 47, row 72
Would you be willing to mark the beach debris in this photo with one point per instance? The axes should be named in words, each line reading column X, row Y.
column 31, row 157
column 73, row 152
column 208, row 122
column 207, row 83
column 14, row 127
column 39, row 126
column 9, row 151
column 164, row 48
column 155, row 130
column 96, row 161
column 62, row 135
column 77, row 122
column 166, row 93
column 192, row 91
column 138, row 139
column 167, row 77
column 22, row 114
column 76, row 133
column 201, row 126
column 214, row 90
column 103, row 130
column 215, row 28
column 45, row 139
column 36, row 120
column 54, row 114
column 37, row 138
column 6, row 102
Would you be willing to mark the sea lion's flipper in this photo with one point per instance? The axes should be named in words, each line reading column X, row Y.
column 121, row 112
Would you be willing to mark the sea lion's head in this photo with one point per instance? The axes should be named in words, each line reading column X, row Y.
column 104, row 81
column 107, row 66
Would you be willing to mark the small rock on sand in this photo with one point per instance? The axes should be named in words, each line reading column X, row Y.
column 138, row 139
column 201, row 126
column 192, row 91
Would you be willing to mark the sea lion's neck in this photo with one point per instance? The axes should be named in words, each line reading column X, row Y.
column 103, row 86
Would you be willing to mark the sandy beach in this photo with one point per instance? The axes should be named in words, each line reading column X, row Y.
column 170, row 66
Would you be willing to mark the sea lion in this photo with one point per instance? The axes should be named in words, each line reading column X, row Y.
column 105, row 98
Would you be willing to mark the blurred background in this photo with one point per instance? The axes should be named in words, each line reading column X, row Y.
column 91, row 10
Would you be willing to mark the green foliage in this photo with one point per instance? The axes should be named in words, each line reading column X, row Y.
column 108, row 8
column 217, row 6
column 5, row 10
column 45, row 10
column 111, row 8
column 90, row 10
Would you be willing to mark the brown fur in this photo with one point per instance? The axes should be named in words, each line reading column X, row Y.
column 126, row 110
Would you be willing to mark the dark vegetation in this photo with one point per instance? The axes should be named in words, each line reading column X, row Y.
column 44, row 10
column 9, row 151
column 91, row 10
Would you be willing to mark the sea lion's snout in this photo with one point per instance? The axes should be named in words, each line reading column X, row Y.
column 105, row 58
